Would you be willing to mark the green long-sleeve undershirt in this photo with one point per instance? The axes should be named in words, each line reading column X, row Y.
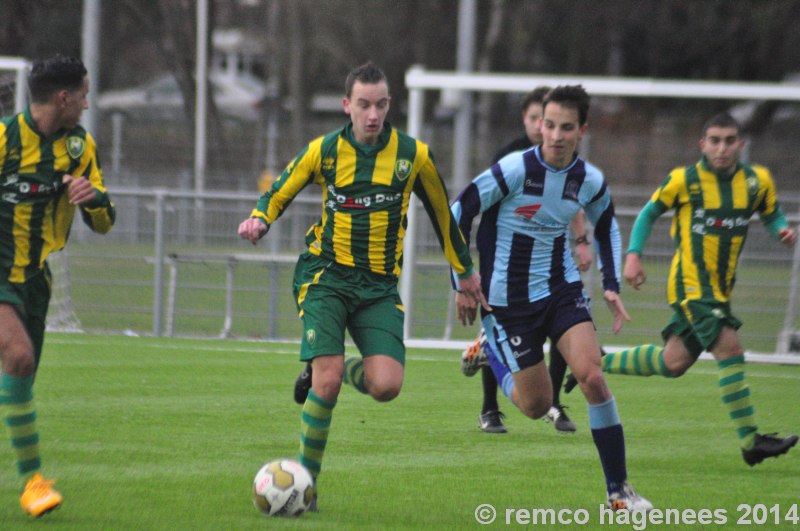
column 652, row 210
column 644, row 225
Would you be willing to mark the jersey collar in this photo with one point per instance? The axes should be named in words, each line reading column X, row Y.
column 726, row 176
column 367, row 149
column 538, row 151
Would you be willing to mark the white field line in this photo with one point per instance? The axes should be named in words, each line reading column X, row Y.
column 456, row 346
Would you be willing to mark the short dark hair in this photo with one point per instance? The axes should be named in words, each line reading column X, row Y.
column 368, row 73
column 571, row 96
column 722, row 119
column 535, row 96
column 55, row 73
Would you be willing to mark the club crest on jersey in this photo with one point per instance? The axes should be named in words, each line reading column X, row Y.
column 402, row 169
column 527, row 211
column 571, row 190
column 75, row 147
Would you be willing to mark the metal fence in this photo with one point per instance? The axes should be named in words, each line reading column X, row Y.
column 173, row 265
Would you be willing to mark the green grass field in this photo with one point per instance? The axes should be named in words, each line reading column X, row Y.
column 146, row 433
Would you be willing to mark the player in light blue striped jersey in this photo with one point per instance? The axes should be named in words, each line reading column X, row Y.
column 532, row 283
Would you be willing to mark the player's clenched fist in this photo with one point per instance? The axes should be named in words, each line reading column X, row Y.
column 633, row 271
column 79, row 189
column 252, row 229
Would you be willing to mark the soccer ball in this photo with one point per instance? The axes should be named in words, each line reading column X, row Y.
column 283, row 488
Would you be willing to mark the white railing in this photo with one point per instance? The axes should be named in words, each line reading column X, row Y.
column 159, row 232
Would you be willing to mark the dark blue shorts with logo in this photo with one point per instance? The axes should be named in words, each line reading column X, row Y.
column 517, row 333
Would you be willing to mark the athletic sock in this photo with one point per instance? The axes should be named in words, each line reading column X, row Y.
column 736, row 398
column 354, row 373
column 610, row 442
column 315, row 423
column 489, row 390
column 501, row 372
column 644, row 360
column 16, row 394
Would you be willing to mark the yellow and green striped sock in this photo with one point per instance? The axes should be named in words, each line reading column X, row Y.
column 644, row 360
column 16, row 395
column 736, row 398
column 354, row 373
column 315, row 423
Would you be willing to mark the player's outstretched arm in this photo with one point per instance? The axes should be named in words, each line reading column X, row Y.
column 617, row 309
column 787, row 236
column 469, row 296
column 466, row 309
column 252, row 229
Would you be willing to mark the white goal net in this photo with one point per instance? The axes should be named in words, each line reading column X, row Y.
column 13, row 98
column 12, row 84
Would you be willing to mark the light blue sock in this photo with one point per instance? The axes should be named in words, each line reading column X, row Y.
column 609, row 439
column 501, row 372
column 603, row 415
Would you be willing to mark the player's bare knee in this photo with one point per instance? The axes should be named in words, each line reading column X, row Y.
column 17, row 360
column 677, row 372
column 678, row 368
column 535, row 409
column 384, row 392
column 594, row 381
column 17, row 357
column 595, row 388
column 327, row 387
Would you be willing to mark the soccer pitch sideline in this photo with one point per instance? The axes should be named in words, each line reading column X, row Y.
column 150, row 433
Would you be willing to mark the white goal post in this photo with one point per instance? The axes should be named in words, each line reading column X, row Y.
column 418, row 80
column 18, row 68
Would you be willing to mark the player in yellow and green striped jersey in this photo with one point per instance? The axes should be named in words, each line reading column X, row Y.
column 713, row 200
column 347, row 278
column 48, row 170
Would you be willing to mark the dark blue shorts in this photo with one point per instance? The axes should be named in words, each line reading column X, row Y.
column 517, row 333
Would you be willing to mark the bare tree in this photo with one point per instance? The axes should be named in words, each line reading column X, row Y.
column 485, row 99
column 176, row 24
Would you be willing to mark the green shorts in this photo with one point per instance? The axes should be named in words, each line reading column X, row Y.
column 31, row 300
column 331, row 297
column 700, row 324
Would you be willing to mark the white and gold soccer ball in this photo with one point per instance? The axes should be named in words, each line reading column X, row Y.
column 283, row 487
